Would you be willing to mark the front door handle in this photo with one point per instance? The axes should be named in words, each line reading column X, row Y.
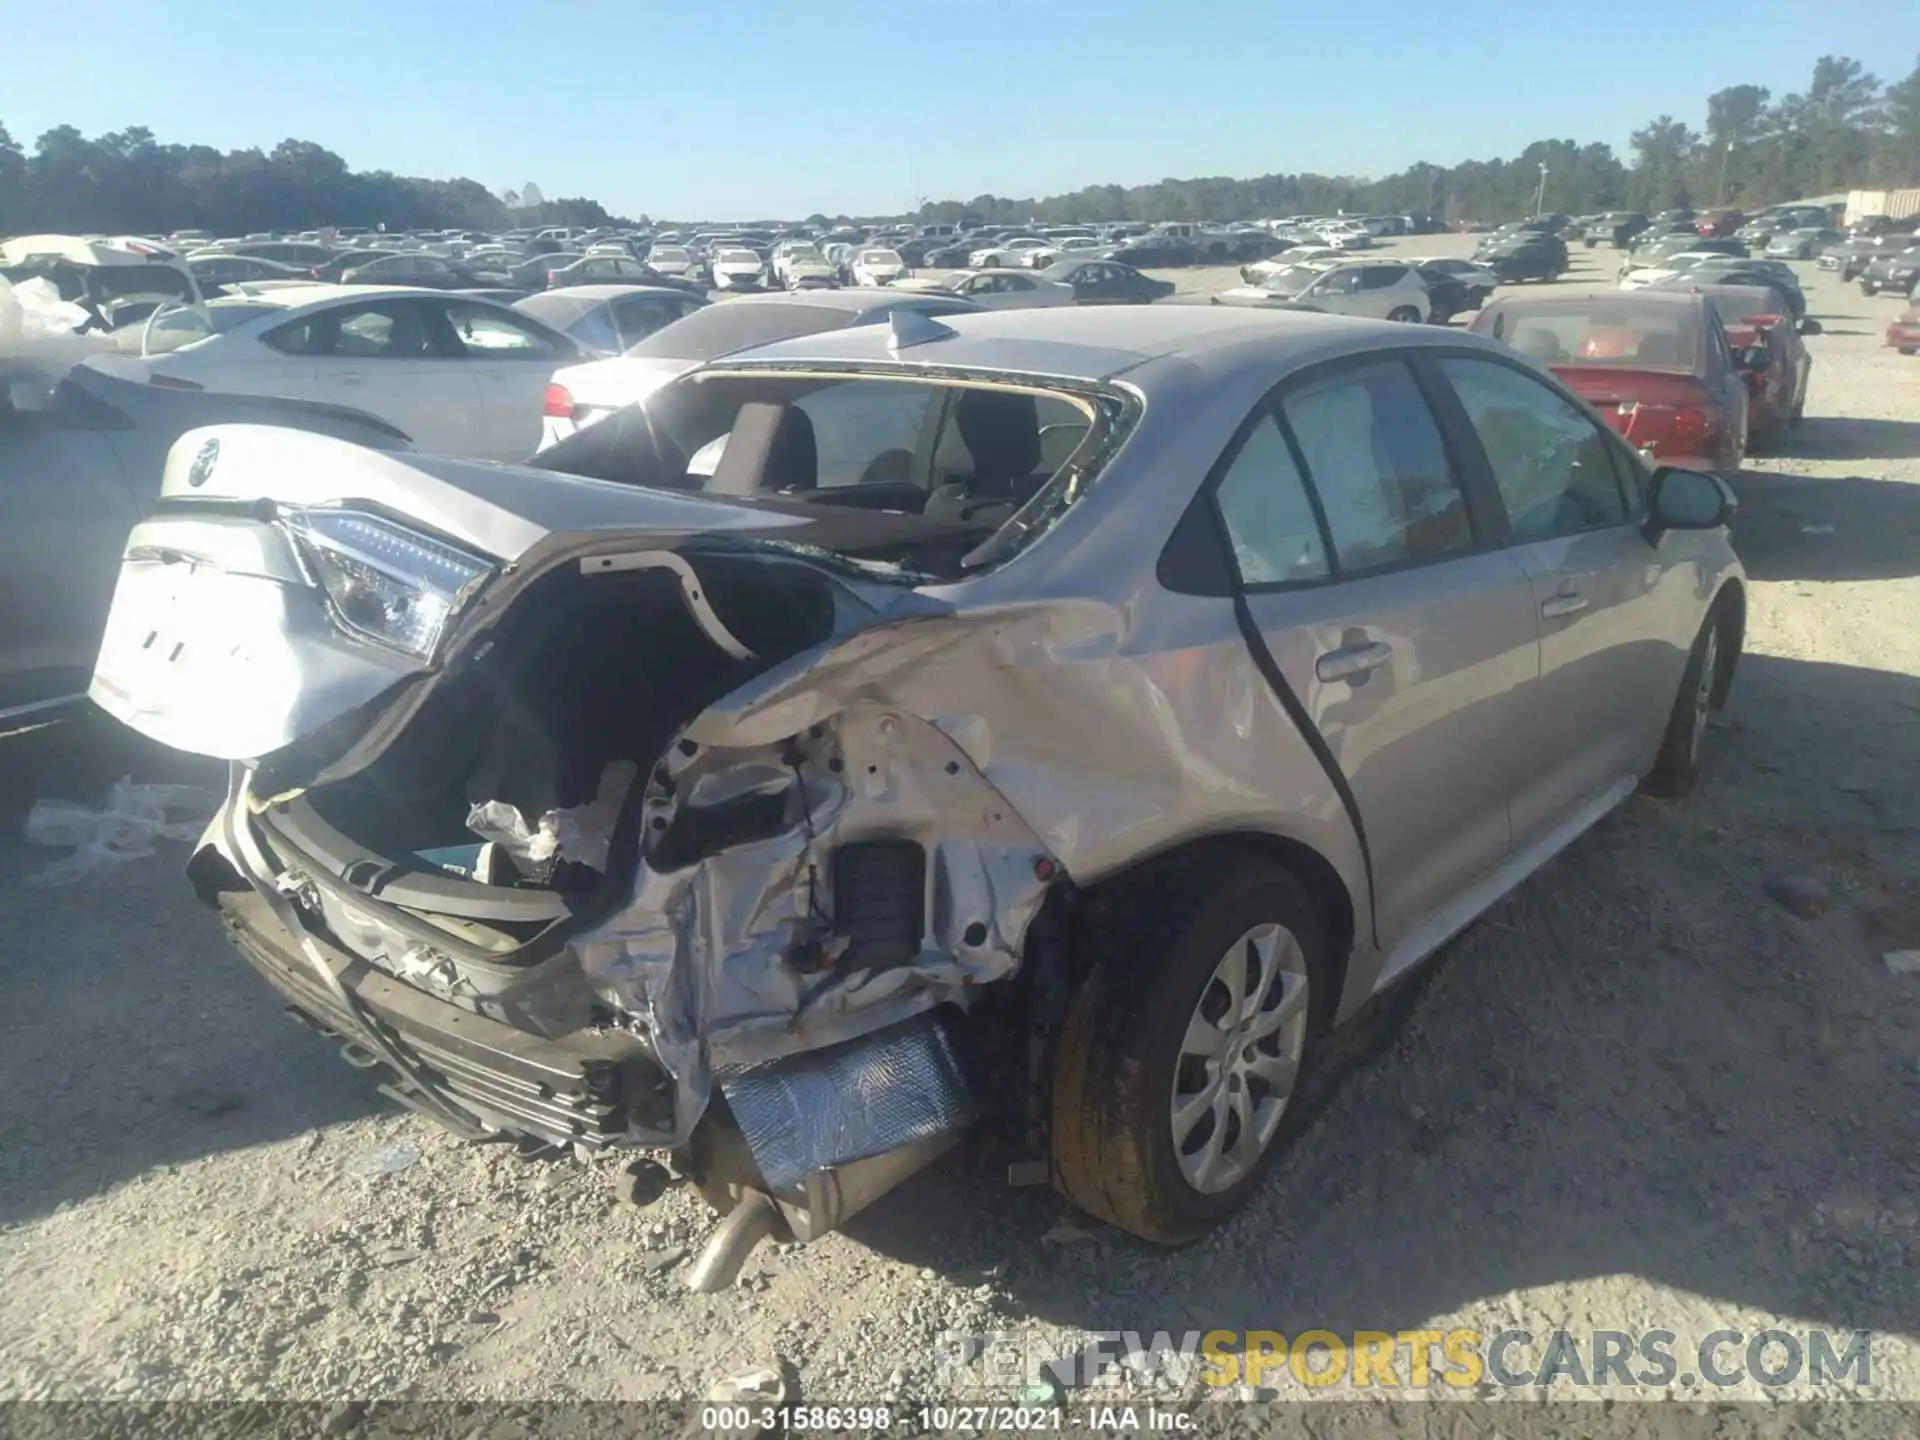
column 1563, row 605
column 1353, row 660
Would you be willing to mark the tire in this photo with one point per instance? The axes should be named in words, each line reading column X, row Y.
column 1909, row 349
column 1867, row 287
column 1121, row 1057
column 1404, row 314
column 1676, row 769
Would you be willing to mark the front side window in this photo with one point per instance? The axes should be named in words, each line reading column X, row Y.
column 1552, row 465
column 1374, row 457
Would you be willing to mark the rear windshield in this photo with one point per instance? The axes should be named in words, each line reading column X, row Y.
column 170, row 330
column 1599, row 330
column 723, row 329
column 985, row 467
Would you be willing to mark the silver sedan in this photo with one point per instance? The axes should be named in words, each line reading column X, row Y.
column 1121, row 696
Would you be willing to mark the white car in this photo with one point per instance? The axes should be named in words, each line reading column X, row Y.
column 1381, row 290
column 1261, row 271
column 878, row 267
column 738, row 269
column 799, row 257
column 1674, row 266
column 1346, row 235
column 995, row 289
column 581, row 395
column 674, row 261
column 1063, row 247
column 460, row 375
column 1008, row 253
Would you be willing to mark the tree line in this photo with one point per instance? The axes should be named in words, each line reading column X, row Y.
column 1847, row 129
column 128, row 183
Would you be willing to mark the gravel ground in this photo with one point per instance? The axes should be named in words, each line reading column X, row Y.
column 1641, row 1093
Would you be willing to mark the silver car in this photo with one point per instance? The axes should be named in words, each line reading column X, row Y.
column 1041, row 724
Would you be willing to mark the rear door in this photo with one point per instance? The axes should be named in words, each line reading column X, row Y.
column 394, row 358
column 1615, row 612
column 512, row 363
column 1408, row 636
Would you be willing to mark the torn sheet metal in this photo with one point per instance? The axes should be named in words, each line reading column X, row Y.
column 850, row 1101
column 731, row 958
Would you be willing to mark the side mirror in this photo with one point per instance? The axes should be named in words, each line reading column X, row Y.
column 1754, row 359
column 1811, row 327
column 1688, row 500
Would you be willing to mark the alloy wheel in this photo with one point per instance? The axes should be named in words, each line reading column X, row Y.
column 1239, row 1058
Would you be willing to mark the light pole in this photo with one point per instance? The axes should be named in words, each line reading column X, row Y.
column 1725, row 156
column 1540, row 196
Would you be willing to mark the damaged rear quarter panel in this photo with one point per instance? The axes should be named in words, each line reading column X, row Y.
column 1078, row 732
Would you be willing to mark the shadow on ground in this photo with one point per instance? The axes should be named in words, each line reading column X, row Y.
column 134, row 1036
column 1636, row 1064
column 1811, row 527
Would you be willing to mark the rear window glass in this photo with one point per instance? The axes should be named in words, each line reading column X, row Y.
column 1599, row 330
column 171, row 330
column 723, row 329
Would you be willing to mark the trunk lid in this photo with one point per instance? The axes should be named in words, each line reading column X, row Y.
column 222, row 641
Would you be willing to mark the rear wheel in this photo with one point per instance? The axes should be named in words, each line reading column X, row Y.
column 1174, row 1082
column 1677, row 767
column 1405, row 314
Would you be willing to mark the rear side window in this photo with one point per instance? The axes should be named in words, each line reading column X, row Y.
column 1375, row 458
column 1269, row 518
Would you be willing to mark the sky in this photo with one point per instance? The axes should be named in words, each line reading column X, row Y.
column 758, row 108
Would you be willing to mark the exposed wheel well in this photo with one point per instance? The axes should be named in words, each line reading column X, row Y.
column 1109, row 901
column 1730, row 614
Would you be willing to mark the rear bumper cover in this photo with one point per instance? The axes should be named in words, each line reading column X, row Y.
column 596, row 1088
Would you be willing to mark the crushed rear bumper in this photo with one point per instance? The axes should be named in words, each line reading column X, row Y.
column 595, row 1088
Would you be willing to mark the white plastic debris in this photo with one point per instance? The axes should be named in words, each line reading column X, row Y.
column 125, row 828
column 581, row 833
column 1903, row 962
column 33, row 310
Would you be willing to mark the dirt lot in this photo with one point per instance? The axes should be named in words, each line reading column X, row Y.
column 1640, row 1094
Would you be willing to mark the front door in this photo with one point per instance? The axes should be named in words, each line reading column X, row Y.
column 1409, row 642
column 1614, row 622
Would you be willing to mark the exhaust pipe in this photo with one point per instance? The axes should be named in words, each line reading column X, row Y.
column 804, row 1144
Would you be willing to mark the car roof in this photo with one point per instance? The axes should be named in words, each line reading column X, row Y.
column 612, row 291
column 1680, row 298
column 289, row 297
column 1100, row 342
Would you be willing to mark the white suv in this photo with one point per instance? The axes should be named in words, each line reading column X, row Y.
column 1378, row 289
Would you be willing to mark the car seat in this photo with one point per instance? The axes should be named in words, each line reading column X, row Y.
column 1001, row 431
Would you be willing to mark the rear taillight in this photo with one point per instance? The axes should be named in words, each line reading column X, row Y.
column 1673, row 429
column 559, row 403
column 173, row 382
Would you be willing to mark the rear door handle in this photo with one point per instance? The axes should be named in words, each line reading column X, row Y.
column 1562, row 605
column 1351, row 660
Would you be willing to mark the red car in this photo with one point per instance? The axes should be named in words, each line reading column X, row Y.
column 1904, row 333
column 1657, row 366
column 1721, row 222
column 1757, row 318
